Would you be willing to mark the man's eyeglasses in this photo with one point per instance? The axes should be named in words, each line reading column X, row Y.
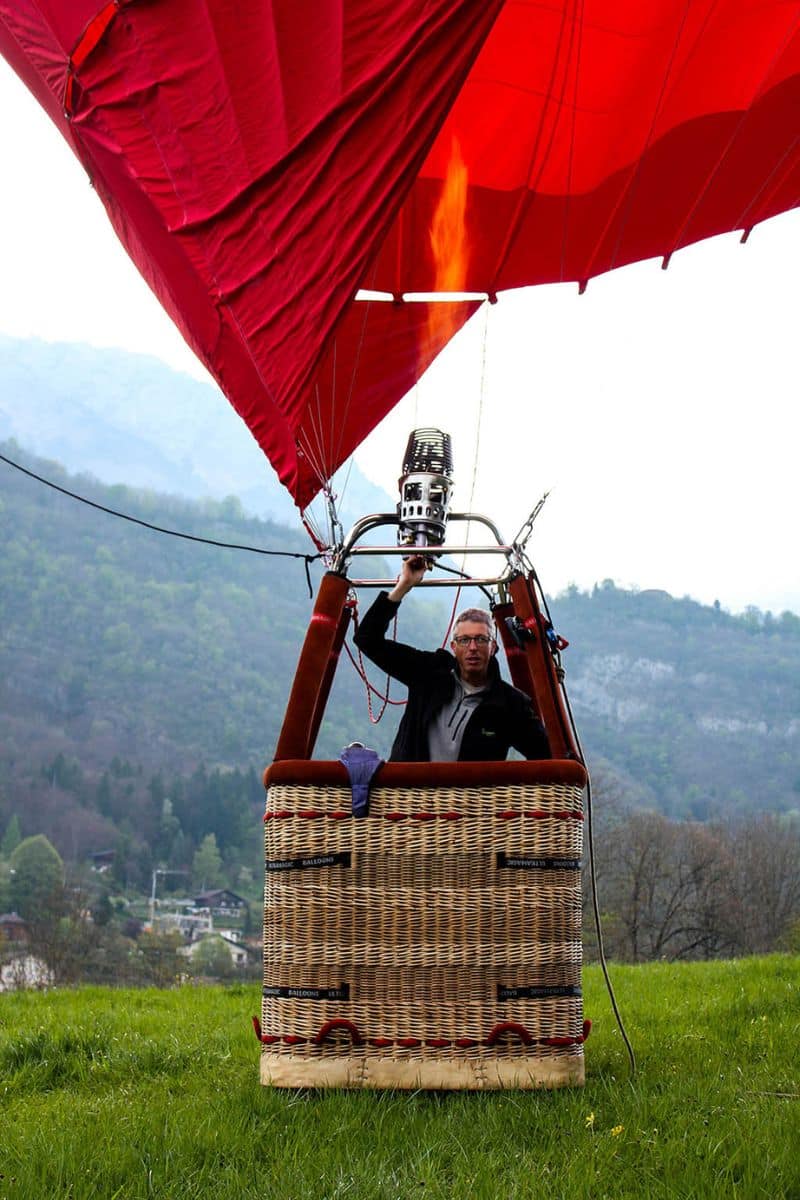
column 480, row 639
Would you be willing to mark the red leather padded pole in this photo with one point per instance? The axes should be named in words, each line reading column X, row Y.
column 327, row 679
column 306, row 701
column 548, row 697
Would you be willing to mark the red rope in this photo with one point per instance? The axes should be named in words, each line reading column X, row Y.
column 360, row 669
column 503, row 1028
column 371, row 689
column 362, row 673
column 492, row 1040
column 282, row 814
column 332, row 1025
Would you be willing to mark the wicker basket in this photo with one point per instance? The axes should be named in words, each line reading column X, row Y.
column 434, row 943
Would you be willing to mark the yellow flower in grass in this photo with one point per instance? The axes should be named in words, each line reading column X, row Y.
column 617, row 1130
column 590, row 1121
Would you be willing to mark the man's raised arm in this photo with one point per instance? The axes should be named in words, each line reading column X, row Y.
column 398, row 660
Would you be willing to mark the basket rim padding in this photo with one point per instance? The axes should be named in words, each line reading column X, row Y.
column 431, row 774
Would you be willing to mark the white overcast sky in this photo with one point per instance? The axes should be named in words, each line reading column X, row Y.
column 660, row 408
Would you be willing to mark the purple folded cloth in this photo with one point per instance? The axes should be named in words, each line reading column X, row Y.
column 361, row 764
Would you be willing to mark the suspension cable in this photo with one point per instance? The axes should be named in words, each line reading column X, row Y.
column 592, row 865
column 188, row 537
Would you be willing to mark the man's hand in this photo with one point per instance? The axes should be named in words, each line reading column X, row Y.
column 412, row 571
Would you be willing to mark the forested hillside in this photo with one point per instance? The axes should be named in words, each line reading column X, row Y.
column 136, row 668
column 700, row 708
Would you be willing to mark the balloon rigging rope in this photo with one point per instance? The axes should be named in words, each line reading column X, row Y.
column 316, row 459
column 315, row 453
column 478, row 423
column 188, row 537
column 328, row 466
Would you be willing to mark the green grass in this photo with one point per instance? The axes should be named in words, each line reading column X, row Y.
column 117, row 1095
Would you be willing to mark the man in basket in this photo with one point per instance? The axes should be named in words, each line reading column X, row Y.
column 459, row 709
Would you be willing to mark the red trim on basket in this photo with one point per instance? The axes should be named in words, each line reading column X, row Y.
column 504, row 1027
column 411, row 1043
column 425, row 775
column 311, row 814
column 268, row 1039
column 339, row 1023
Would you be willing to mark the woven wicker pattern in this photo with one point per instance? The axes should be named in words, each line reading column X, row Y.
column 422, row 932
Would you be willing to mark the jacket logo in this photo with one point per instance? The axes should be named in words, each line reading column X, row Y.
column 488, row 733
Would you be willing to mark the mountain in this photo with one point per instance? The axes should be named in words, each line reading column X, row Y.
column 701, row 709
column 128, row 418
column 117, row 642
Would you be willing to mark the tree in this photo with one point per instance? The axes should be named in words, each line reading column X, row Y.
column 159, row 955
column 11, row 838
column 207, row 864
column 5, row 886
column 102, row 910
column 764, row 883
column 37, row 879
column 169, row 831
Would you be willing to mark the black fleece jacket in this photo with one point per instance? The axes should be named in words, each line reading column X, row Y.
column 503, row 718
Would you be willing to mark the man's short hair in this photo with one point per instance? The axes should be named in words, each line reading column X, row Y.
column 481, row 615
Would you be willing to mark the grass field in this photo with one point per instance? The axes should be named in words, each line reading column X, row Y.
column 119, row 1095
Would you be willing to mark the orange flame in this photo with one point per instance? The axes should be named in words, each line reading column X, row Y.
column 450, row 247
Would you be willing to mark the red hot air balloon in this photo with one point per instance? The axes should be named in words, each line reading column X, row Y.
column 262, row 163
